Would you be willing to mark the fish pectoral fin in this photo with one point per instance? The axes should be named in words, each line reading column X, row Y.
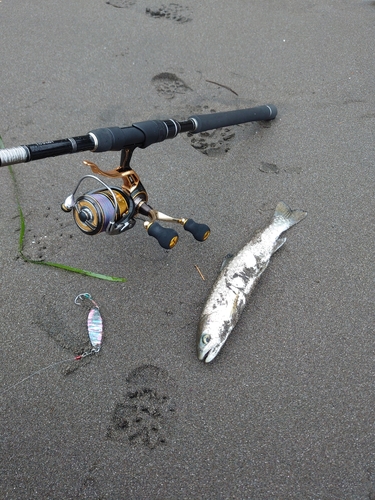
column 226, row 260
column 237, row 307
column 234, row 307
column 278, row 243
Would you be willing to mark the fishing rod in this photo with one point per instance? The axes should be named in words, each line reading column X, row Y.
column 111, row 209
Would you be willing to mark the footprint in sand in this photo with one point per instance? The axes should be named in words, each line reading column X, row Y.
column 173, row 11
column 120, row 4
column 146, row 415
column 169, row 84
column 212, row 142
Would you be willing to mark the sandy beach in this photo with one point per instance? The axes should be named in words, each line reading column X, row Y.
column 286, row 410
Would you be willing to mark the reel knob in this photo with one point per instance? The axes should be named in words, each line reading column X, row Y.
column 200, row 231
column 68, row 204
column 166, row 237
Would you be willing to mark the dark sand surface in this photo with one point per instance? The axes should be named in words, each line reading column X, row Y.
column 286, row 411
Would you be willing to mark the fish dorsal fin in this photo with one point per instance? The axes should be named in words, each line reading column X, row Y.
column 226, row 260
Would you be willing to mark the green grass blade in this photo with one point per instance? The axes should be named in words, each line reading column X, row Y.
column 22, row 218
column 42, row 262
column 73, row 269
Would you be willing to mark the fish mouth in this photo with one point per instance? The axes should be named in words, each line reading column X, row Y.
column 209, row 353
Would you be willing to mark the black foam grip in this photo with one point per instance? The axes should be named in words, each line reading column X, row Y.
column 228, row 118
column 200, row 231
column 116, row 138
column 153, row 130
column 166, row 237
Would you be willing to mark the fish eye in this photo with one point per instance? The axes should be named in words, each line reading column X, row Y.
column 206, row 338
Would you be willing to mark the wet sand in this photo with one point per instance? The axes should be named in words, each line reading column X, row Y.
column 286, row 411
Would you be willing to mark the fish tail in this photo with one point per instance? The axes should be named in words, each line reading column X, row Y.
column 287, row 216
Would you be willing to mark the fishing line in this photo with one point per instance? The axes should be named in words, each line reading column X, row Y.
column 37, row 372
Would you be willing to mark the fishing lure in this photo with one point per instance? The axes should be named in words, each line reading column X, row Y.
column 95, row 331
column 94, row 325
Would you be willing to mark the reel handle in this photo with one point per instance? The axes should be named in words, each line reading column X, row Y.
column 166, row 237
column 200, row 231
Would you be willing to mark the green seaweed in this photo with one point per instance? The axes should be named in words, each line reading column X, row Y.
column 43, row 262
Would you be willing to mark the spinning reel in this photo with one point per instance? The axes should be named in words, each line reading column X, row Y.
column 113, row 210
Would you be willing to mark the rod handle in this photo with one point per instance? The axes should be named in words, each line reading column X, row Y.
column 228, row 118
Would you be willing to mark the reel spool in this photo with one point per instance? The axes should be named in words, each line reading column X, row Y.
column 108, row 210
column 93, row 213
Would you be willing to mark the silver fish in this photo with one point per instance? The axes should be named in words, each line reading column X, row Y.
column 237, row 280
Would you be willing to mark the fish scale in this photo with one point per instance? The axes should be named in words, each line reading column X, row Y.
column 238, row 279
